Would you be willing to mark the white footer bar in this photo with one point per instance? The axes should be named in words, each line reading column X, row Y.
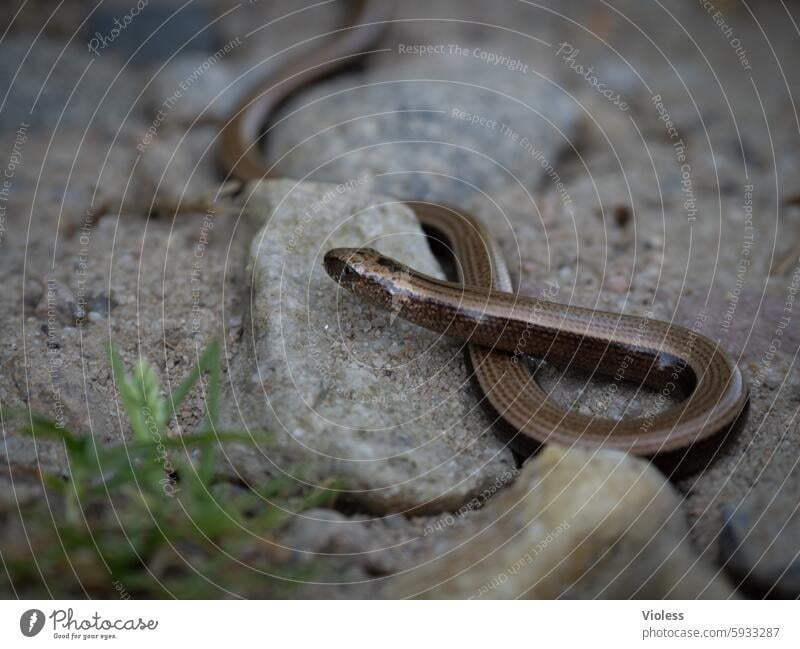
column 333, row 624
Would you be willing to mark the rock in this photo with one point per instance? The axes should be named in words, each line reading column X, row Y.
column 359, row 543
column 208, row 91
column 343, row 389
column 445, row 130
column 760, row 538
column 322, row 531
column 349, row 556
column 576, row 523
column 175, row 173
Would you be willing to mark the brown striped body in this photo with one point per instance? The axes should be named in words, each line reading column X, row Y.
column 502, row 327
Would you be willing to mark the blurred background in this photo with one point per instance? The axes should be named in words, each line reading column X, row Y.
column 641, row 156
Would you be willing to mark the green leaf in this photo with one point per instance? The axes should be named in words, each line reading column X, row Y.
column 130, row 400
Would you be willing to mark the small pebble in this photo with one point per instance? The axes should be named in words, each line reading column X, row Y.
column 617, row 284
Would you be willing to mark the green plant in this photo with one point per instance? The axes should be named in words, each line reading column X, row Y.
column 141, row 517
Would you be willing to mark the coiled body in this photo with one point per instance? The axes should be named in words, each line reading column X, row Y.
column 501, row 327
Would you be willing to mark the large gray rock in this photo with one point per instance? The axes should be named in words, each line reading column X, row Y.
column 344, row 389
column 444, row 129
column 759, row 537
column 575, row 523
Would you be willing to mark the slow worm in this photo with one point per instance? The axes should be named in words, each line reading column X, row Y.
column 501, row 327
